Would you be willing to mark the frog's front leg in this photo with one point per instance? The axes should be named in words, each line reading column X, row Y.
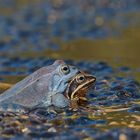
column 59, row 100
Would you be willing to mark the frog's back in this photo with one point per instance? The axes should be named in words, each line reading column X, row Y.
column 17, row 88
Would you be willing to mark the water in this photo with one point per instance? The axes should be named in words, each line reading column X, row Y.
column 101, row 37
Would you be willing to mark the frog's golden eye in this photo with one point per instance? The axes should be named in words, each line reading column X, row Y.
column 80, row 78
column 65, row 69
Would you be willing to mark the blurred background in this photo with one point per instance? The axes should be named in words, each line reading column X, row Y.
column 92, row 30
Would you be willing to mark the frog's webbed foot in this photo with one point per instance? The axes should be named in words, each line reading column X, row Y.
column 5, row 107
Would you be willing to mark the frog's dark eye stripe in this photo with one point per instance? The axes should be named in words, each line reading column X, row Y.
column 65, row 69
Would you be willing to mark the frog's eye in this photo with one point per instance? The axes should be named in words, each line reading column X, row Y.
column 65, row 69
column 80, row 78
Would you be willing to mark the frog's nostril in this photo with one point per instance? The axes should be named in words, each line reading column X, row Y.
column 74, row 68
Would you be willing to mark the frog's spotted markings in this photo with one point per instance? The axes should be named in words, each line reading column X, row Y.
column 79, row 86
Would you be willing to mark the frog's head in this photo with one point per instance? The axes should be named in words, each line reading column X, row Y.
column 61, row 76
column 79, row 86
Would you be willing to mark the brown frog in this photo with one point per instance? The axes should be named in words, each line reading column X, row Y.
column 43, row 88
column 78, row 87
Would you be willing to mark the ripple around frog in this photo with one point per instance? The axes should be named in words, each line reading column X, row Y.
column 113, row 104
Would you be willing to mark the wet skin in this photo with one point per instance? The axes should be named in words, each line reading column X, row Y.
column 43, row 88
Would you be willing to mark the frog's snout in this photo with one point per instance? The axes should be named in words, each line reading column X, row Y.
column 74, row 68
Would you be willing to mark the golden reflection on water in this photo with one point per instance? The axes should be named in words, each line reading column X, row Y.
column 117, row 51
column 122, row 50
column 115, row 116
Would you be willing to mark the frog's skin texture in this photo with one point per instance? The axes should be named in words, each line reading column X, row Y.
column 40, row 88
column 79, row 86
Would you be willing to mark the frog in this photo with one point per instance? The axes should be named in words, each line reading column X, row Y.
column 42, row 88
column 78, row 88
